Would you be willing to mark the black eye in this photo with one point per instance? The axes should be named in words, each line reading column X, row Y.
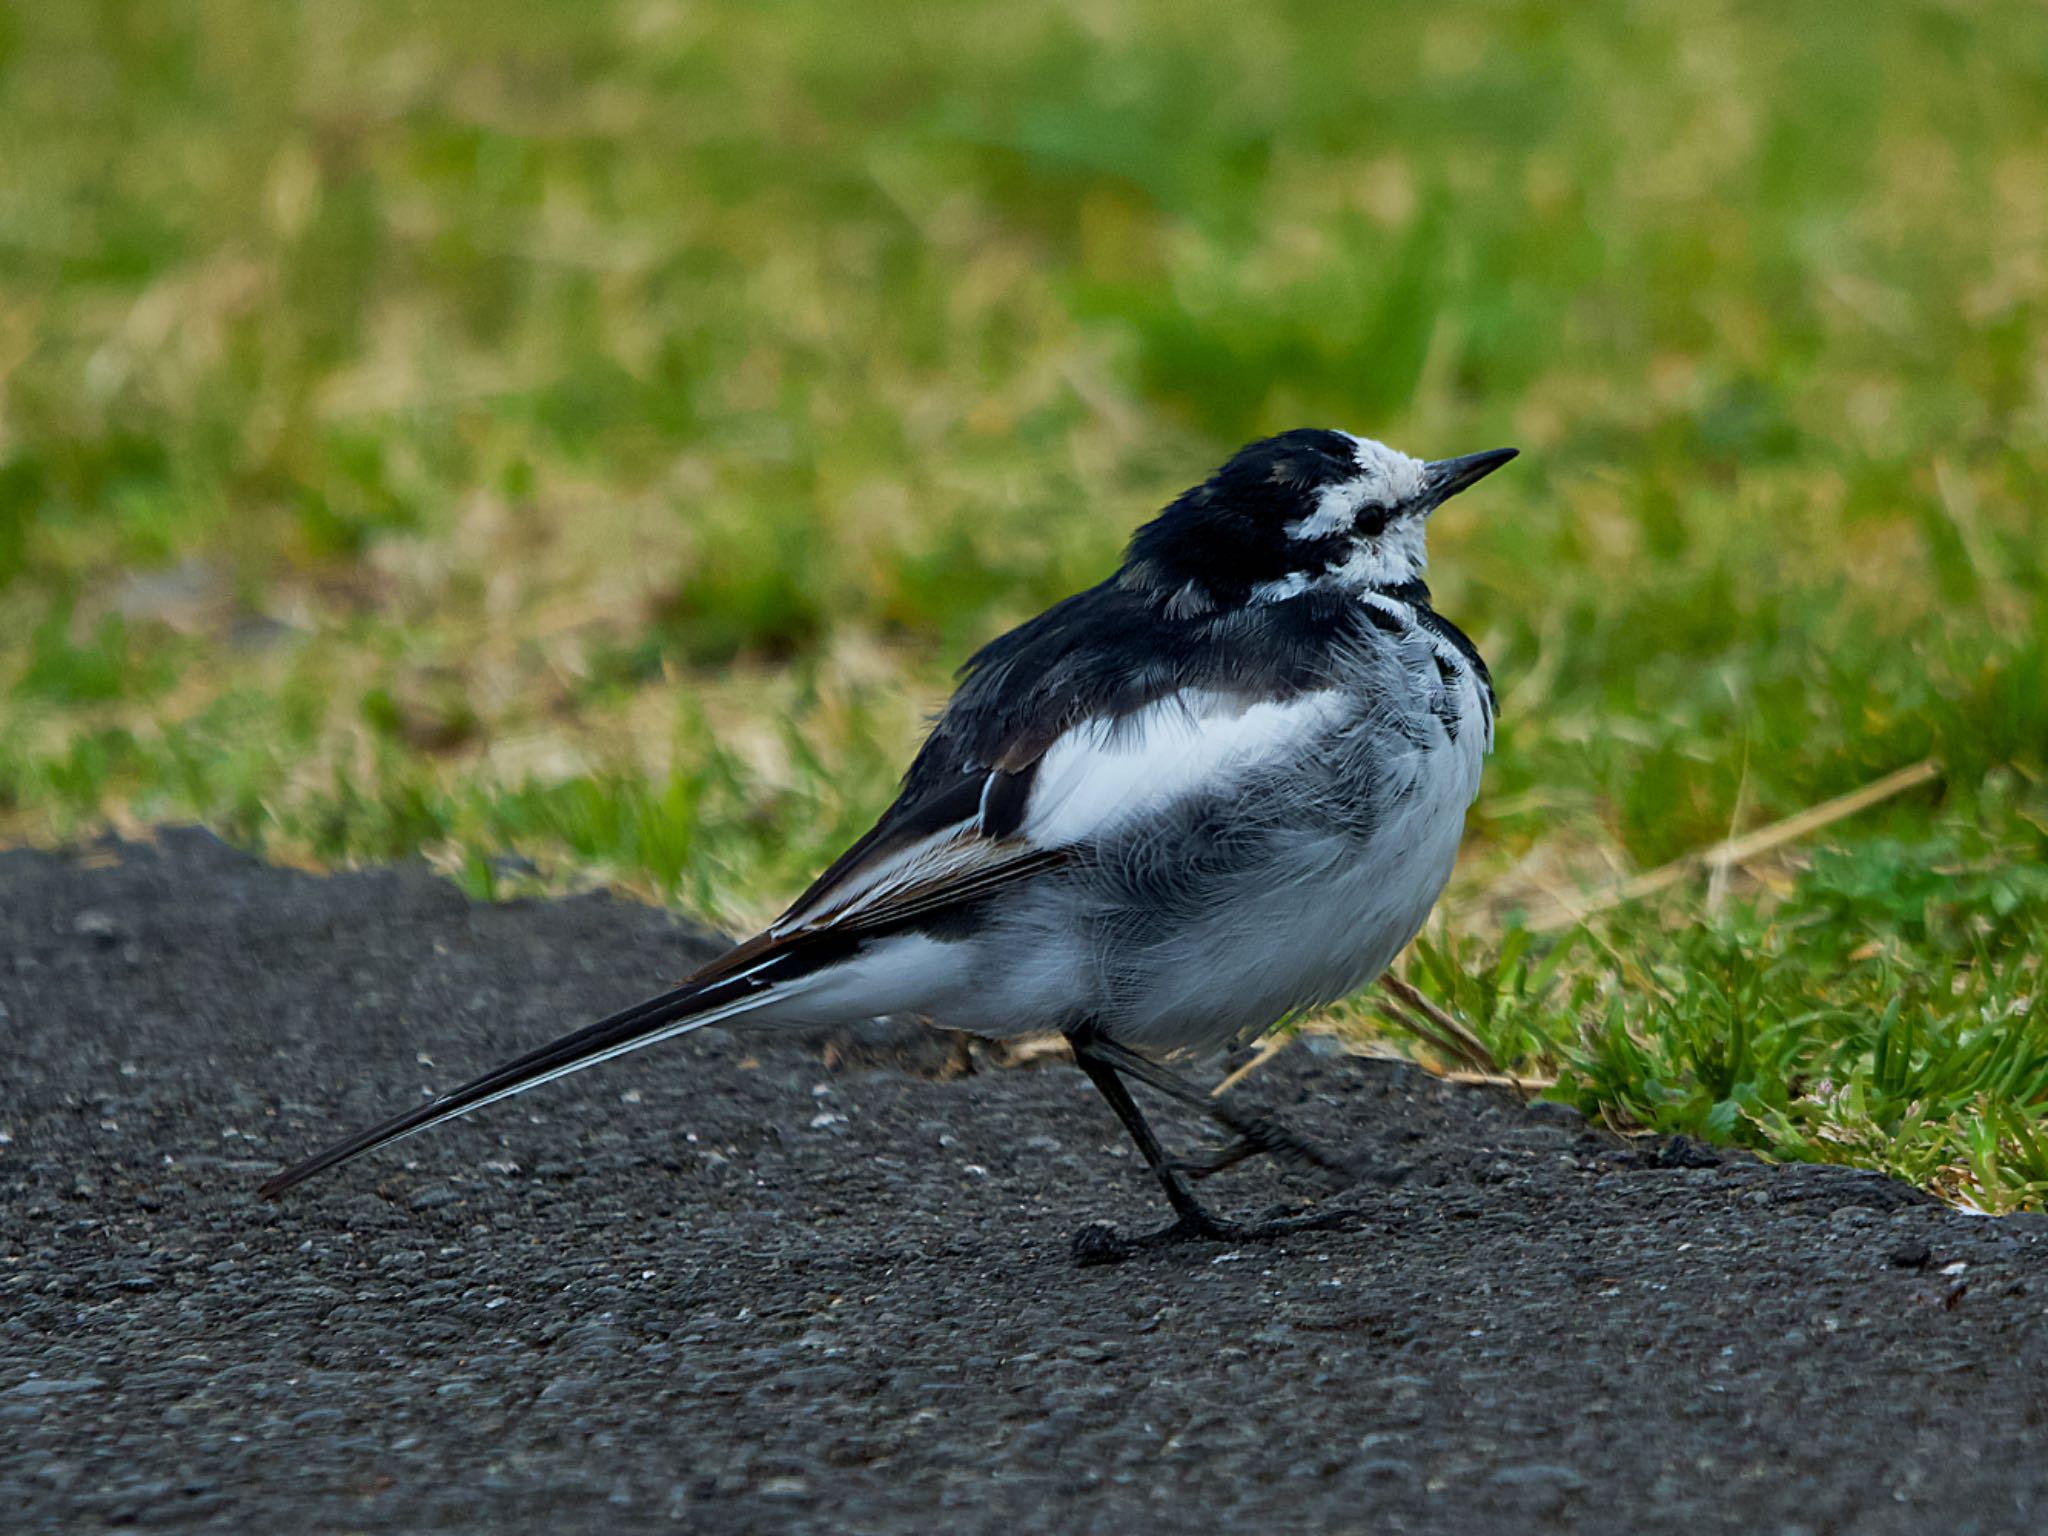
column 1371, row 521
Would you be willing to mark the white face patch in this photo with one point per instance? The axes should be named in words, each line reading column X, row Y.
column 1386, row 478
column 1396, row 556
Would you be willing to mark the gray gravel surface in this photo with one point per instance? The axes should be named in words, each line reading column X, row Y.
column 730, row 1286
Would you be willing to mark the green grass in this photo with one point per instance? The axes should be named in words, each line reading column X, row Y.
column 591, row 433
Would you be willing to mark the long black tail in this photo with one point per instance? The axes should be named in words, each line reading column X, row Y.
column 688, row 1007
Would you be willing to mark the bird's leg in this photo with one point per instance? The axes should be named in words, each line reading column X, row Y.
column 1100, row 1244
column 1187, row 1210
column 1252, row 1133
column 1204, row 1162
column 1256, row 1135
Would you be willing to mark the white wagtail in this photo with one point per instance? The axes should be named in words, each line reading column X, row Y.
column 1222, row 787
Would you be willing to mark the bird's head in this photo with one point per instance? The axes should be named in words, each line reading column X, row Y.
column 1309, row 507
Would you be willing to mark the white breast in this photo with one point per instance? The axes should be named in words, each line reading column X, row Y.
column 1345, row 854
column 1325, row 913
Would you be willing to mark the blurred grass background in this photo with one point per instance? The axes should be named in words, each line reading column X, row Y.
column 575, row 442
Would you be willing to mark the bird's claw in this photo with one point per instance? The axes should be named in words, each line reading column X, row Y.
column 1101, row 1243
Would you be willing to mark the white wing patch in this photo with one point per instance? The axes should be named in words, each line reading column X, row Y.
column 1090, row 782
column 1102, row 773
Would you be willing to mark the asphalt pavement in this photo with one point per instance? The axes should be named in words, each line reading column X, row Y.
column 770, row 1283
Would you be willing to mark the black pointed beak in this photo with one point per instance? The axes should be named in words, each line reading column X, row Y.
column 1444, row 478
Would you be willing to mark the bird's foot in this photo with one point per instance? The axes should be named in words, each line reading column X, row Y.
column 1101, row 1243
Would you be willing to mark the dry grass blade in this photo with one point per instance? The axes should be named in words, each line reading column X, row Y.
column 1409, row 1009
column 1392, row 1013
column 1500, row 1080
column 1270, row 1047
column 1734, row 851
column 1029, row 1050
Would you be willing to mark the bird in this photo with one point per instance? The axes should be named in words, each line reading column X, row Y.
column 1221, row 788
